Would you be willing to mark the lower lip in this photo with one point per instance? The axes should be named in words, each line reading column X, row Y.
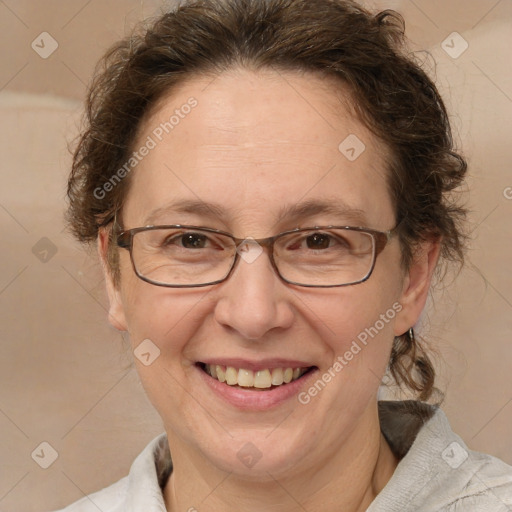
column 251, row 400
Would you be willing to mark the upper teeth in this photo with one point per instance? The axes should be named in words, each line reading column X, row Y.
column 258, row 379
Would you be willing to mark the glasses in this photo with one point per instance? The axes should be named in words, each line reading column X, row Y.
column 179, row 256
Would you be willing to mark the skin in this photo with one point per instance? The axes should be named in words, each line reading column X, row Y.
column 255, row 142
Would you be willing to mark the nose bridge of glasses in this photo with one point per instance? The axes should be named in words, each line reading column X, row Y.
column 264, row 243
column 250, row 249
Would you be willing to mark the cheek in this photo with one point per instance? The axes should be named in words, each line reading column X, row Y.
column 161, row 324
column 169, row 317
column 356, row 325
column 351, row 312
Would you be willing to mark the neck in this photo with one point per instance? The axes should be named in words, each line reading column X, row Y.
column 349, row 479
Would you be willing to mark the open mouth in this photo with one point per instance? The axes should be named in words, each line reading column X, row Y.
column 260, row 380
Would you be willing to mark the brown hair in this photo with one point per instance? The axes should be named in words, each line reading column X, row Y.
column 334, row 38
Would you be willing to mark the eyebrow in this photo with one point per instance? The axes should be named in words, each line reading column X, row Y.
column 196, row 207
column 287, row 213
column 336, row 208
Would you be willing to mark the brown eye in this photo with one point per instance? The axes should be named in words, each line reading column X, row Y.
column 193, row 241
column 186, row 241
column 318, row 241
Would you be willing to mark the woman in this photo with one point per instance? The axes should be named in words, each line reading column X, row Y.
column 268, row 183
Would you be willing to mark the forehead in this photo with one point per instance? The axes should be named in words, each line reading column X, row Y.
column 255, row 144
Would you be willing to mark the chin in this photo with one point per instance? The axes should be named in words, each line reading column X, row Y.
column 258, row 454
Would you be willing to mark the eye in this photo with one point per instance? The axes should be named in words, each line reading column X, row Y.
column 318, row 241
column 193, row 240
column 186, row 240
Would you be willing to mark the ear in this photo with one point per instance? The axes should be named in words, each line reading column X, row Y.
column 416, row 285
column 116, row 314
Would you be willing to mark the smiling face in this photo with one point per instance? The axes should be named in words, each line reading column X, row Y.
column 259, row 155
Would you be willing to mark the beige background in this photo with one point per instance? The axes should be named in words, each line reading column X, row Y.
column 64, row 373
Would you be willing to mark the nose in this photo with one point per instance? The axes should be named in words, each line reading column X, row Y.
column 253, row 300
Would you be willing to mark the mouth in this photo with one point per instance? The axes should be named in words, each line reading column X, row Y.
column 264, row 379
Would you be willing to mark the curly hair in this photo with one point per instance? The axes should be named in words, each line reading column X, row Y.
column 394, row 98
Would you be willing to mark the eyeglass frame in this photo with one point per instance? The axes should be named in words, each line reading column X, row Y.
column 380, row 238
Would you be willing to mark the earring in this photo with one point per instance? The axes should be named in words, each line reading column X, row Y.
column 410, row 334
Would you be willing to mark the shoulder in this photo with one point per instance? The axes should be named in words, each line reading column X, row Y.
column 140, row 490
column 437, row 471
column 484, row 483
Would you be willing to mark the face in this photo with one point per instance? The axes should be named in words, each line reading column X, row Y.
column 255, row 148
